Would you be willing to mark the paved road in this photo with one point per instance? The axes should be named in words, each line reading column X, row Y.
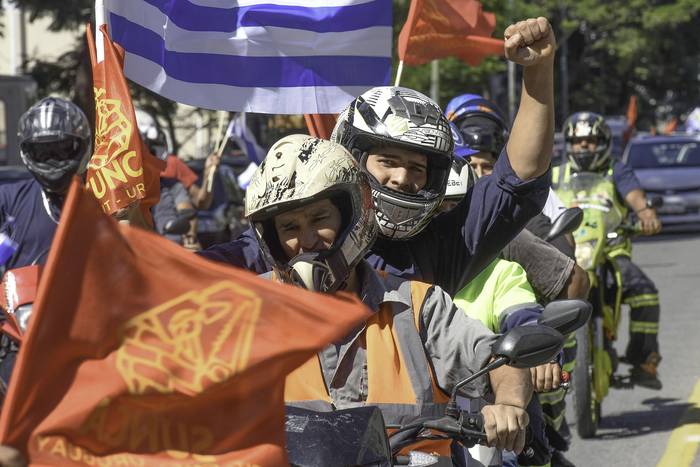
column 641, row 426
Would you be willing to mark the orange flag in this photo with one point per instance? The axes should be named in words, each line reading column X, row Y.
column 670, row 126
column 121, row 172
column 320, row 125
column 632, row 114
column 140, row 353
column 448, row 28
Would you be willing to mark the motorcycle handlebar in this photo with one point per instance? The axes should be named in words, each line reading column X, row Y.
column 468, row 429
column 630, row 229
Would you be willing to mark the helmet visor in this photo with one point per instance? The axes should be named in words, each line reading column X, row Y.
column 61, row 150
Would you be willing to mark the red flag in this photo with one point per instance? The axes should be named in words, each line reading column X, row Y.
column 443, row 28
column 632, row 114
column 140, row 353
column 320, row 125
column 121, row 172
column 670, row 126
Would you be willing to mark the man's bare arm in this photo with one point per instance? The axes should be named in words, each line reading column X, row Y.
column 532, row 44
column 506, row 420
column 577, row 286
column 637, row 200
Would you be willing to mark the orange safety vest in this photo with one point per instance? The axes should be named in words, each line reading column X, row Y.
column 400, row 378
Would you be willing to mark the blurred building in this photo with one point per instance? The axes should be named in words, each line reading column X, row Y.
column 22, row 41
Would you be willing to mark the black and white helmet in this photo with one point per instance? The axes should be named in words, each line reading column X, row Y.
column 298, row 170
column 462, row 178
column 55, row 142
column 398, row 117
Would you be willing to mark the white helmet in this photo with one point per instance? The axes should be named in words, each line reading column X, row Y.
column 300, row 169
column 153, row 136
column 404, row 118
column 462, row 178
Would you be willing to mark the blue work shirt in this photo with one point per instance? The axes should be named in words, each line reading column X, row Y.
column 33, row 229
column 624, row 178
column 453, row 248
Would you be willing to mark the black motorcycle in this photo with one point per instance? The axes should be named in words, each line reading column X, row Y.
column 359, row 436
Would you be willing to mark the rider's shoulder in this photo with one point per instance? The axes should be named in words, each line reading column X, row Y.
column 20, row 189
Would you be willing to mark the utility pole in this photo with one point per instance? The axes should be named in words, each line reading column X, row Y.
column 13, row 19
column 22, row 40
column 435, row 80
column 564, row 66
column 511, row 91
column 511, row 75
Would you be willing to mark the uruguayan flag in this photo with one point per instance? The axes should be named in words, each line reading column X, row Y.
column 239, row 132
column 280, row 56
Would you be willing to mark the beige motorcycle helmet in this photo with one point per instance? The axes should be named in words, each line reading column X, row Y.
column 299, row 170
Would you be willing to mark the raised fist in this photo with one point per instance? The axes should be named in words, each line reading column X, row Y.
column 530, row 42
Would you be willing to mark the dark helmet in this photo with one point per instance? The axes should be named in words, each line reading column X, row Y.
column 55, row 142
column 587, row 126
column 480, row 123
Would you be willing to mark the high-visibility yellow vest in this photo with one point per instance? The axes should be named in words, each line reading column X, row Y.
column 501, row 287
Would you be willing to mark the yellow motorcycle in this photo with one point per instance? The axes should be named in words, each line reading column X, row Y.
column 601, row 230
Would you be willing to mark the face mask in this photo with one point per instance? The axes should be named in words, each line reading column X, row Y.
column 309, row 271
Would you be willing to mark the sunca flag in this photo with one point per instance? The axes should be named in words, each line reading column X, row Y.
column 283, row 56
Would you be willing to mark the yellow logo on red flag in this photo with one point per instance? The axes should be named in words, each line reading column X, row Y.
column 120, row 172
column 184, row 345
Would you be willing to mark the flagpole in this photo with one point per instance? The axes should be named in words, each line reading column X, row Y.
column 220, row 145
column 399, row 71
column 220, row 130
column 99, row 21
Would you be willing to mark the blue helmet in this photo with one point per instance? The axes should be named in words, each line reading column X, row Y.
column 461, row 150
column 480, row 124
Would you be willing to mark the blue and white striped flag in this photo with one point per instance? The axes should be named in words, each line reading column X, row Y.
column 279, row 56
column 239, row 132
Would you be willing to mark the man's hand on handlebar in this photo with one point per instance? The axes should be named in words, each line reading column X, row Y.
column 505, row 426
column 546, row 377
column 649, row 222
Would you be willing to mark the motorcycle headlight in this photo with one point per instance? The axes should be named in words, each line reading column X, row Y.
column 418, row 458
column 584, row 254
column 22, row 314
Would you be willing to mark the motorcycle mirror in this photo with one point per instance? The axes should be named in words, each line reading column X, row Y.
column 529, row 346
column 654, row 201
column 181, row 224
column 567, row 222
column 566, row 316
column 521, row 347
